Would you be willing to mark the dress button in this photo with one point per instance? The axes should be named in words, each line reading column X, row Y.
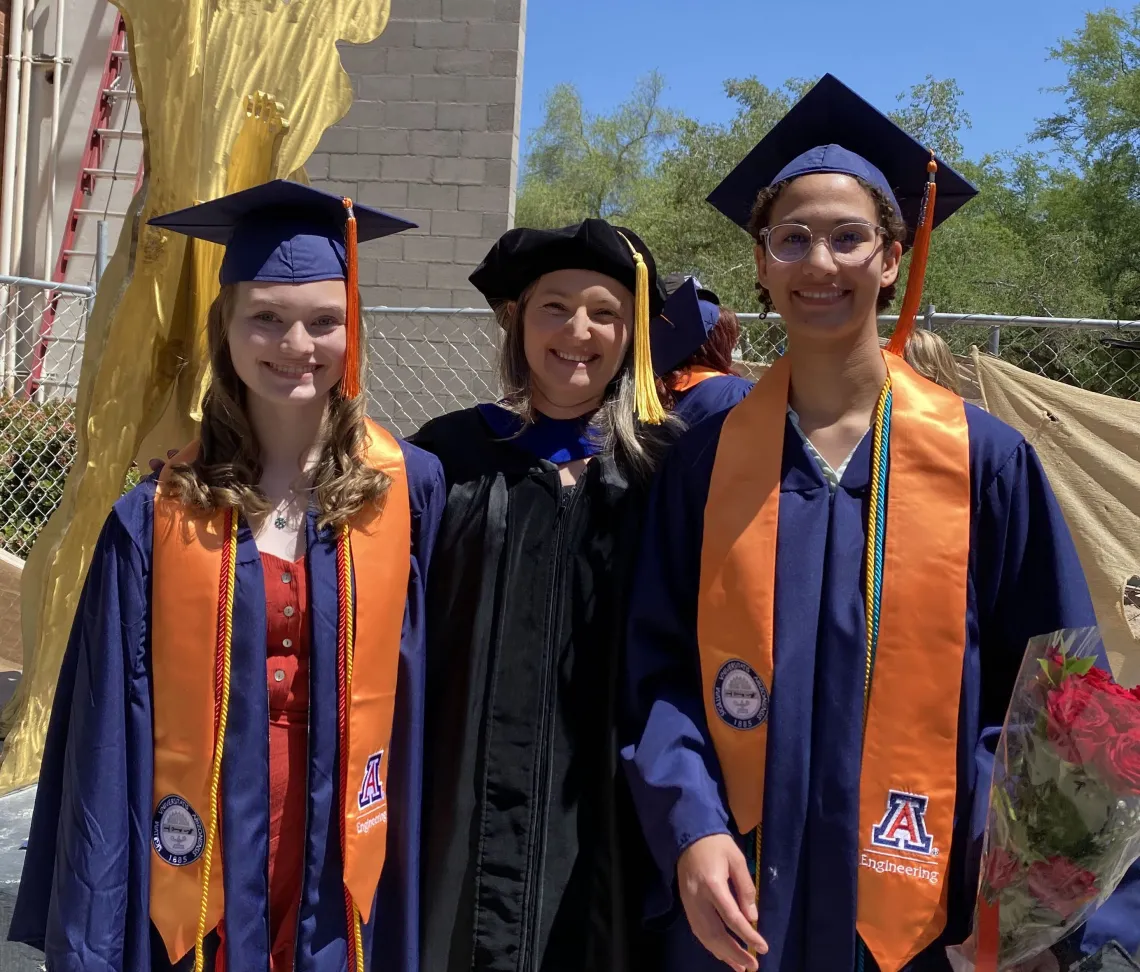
column 286, row 578
column 279, row 676
column 288, row 612
column 287, row 643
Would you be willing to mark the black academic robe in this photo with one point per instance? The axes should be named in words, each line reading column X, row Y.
column 532, row 855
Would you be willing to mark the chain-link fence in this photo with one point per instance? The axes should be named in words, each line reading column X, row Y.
column 1100, row 356
column 41, row 349
column 423, row 362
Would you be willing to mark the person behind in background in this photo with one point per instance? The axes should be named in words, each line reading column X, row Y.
column 931, row 357
column 232, row 771
column 533, row 858
column 837, row 584
column 702, row 382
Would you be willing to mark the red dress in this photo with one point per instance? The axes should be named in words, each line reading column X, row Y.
column 287, row 674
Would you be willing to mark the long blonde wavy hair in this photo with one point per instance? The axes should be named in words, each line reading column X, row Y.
column 227, row 471
column 638, row 448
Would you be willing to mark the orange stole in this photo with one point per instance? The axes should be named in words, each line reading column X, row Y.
column 691, row 377
column 185, row 613
column 910, row 743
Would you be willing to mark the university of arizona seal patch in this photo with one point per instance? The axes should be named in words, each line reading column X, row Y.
column 740, row 696
column 177, row 832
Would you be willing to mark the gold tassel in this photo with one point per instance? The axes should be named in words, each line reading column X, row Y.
column 913, row 296
column 646, row 402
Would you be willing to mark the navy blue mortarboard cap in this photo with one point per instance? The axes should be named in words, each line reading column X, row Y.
column 672, row 282
column 280, row 232
column 832, row 129
column 684, row 324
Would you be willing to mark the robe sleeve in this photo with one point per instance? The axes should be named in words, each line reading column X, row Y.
column 673, row 772
column 83, row 896
column 1035, row 586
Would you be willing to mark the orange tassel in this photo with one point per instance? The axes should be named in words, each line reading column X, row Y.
column 913, row 296
column 350, row 383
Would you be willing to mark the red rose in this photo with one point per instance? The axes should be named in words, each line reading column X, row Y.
column 1064, row 707
column 1122, row 705
column 1002, row 868
column 1103, row 681
column 1061, row 885
column 1093, row 726
column 1119, row 762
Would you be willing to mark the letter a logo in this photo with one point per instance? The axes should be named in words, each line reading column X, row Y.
column 372, row 788
column 903, row 827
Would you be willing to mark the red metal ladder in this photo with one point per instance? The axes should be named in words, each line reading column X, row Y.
column 105, row 140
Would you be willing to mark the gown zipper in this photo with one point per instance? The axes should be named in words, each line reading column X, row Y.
column 532, row 891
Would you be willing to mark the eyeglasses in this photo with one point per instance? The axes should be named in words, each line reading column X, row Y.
column 849, row 243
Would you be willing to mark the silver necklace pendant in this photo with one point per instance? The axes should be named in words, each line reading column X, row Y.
column 280, row 522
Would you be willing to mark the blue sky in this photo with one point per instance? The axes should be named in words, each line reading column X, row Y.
column 995, row 49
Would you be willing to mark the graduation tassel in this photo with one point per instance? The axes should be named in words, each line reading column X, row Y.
column 913, row 296
column 646, row 402
column 350, row 383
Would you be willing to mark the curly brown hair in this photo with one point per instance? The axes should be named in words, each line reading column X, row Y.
column 226, row 473
column 715, row 353
column 895, row 231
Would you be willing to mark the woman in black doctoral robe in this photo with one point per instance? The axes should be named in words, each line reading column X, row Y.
column 533, row 858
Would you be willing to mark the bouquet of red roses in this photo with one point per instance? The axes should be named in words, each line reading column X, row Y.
column 1064, row 816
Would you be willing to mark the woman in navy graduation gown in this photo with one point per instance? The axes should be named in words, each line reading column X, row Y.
column 701, row 383
column 532, row 855
column 803, row 722
column 220, row 647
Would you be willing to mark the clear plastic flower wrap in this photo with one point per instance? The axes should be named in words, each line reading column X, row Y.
column 1064, row 814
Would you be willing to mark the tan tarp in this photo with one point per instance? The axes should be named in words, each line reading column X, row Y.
column 1090, row 447
column 11, row 654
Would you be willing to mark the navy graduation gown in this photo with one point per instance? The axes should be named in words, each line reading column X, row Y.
column 84, row 897
column 1024, row 579
column 709, row 397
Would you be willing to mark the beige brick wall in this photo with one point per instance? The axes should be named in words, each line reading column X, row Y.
column 433, row 136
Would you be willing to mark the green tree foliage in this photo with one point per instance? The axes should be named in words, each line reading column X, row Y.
column 1098, row 137
column 581, row 165
column 1052, row 233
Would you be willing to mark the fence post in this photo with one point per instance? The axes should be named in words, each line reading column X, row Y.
column 995, row 340
column 928, row 318
column 100, row 250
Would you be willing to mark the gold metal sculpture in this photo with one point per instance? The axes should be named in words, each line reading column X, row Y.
column 201, row 68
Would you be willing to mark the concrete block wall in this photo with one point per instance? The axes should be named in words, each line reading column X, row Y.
column 433, row 136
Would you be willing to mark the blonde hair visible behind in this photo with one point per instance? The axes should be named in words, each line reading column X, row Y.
column 638, row 448
column 228, row 468
column 930, row 356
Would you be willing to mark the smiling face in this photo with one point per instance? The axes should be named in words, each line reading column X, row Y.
column 577, row 326
column 819, row 296
column 287, row 341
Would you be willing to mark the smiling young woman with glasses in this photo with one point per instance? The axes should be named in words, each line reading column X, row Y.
column 836, row 585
